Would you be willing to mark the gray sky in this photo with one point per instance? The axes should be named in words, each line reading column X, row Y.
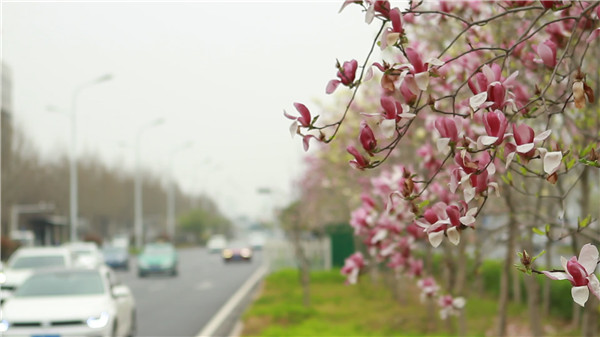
column 219, row 73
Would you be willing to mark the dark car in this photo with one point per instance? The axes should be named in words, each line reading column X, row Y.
column 157, row 258
column 237, row 251
column 116, row 257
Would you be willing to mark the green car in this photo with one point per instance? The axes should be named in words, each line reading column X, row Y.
column 157, row 258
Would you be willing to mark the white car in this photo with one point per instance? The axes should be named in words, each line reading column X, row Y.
column 24, row 261
column 216, row 243
column 86, row 254
column 70, row 302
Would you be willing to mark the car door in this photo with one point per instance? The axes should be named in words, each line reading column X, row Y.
column 123, row 303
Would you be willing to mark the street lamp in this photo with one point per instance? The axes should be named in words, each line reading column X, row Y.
column 73, row 189
column 137, row 192
column 171, row 191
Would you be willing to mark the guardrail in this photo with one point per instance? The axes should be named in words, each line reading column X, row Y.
column 279, row 254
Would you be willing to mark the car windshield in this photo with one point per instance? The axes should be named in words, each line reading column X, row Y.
column 113, row 251
column 158, row 250
column 34, row 262
column 82, row 252
column 73, row 283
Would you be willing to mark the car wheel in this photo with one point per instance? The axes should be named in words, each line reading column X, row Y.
column 141, row 274
column 133, row 325
column 174, row 272
column 114, row 330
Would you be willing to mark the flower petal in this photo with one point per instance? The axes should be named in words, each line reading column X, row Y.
column 435, row 62
column 453, row 235
column 580, row 295
column 477, row 100
column 407, row 115
column 459, row 302
column 509, row 159
column 422, row 80
column 487, row 140
column 294, row 128
column 388, row 127
column 524, row 148
column 593, row 35
column 331, row 86
column 552, row 162
column 380, row 235
column 442, row 144
column 594, row 285
column 563, row 263
column 588, row 258
column 469, row 194
column 546, row 54
column 368, row 75
column 436, row 238
column 555, row 275
column 489, row 73
column 542, row 136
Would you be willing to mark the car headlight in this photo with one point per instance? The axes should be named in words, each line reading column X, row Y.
column 246, row 253
column 227, row 253
column 4, row 325
column 2, row 277
column 98, row 322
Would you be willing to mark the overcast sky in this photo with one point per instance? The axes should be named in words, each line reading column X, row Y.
column 219, row 73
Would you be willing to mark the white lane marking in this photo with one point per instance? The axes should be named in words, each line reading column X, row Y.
column 215, row 322
column 205, row 285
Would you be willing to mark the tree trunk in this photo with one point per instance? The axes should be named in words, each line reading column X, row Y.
column 449, row 270
column 508, row 266
column 303, row 265
column 459, row 282
column 533, row 295
column 590, row 312
column 517, row 293
column 547, row 281
column 478, row 286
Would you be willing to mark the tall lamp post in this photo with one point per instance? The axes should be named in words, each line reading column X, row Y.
column 73, row 197
column 171, row 191
column 138, row 218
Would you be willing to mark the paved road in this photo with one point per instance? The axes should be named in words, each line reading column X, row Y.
column 183, row 305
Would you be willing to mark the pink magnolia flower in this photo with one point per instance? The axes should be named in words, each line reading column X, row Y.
column 361, row 220
column 346, row 75
column 359, row 162
column 517, row 3
column 367, row 138
column 495, row 126
column 551, row 4
column 391, row 35
column 416, row 267
column 352, row 266
column 393, row 111
column 525, row 140
column 304, row 119
column 547, row 53
column 450, row 306
column 429, row 288
column 446, row 126
column 479, row 181
column 580, row 272
column 489, row 86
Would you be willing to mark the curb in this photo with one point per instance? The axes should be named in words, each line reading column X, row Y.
column 212, row 327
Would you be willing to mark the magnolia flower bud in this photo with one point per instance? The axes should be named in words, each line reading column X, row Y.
column 526, row 259
column 579, row 94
